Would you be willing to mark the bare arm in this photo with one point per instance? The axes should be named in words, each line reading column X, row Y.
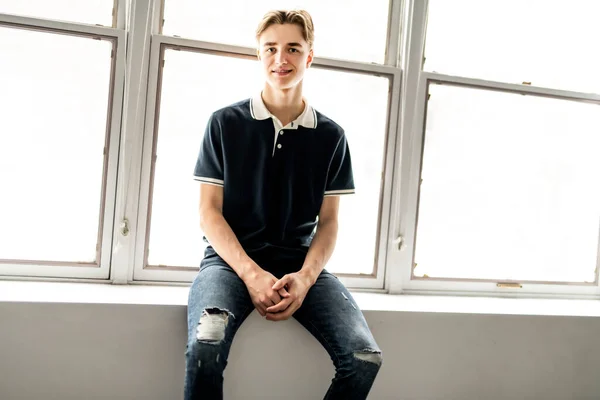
column 321, row 248
column 222, row 238
column 323, row 243
column 219, row 233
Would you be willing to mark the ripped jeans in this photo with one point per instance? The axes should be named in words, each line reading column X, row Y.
column 219, row 303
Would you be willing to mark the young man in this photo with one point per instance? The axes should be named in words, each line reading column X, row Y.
column 268, row 167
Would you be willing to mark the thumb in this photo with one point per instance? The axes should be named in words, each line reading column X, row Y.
column 281, row 283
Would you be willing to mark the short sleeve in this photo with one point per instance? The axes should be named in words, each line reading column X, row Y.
column 209, row 166
column 340, row 179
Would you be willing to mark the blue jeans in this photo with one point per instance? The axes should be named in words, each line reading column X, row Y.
column 219, row 303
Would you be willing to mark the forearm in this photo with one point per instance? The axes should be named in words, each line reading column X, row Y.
column 221, row 237
column 320, row 250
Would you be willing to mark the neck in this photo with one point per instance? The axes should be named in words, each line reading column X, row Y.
column 285, row 104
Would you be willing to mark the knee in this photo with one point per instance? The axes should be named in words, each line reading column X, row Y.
column 206, row 347
column 212, row 325
column 361, row 363
column 369, row 357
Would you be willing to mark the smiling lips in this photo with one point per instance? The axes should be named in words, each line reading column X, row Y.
column 282, row 72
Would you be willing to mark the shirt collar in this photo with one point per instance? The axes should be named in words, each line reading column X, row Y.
column 307, row 119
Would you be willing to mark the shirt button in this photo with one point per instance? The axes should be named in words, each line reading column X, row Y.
column 281, row 132
column 278, row 146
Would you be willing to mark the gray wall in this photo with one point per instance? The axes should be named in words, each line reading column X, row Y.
column 112, row 351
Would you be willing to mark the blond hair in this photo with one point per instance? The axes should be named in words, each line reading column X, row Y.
column 297, row 17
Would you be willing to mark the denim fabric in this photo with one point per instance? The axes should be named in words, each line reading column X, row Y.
column 219, row 302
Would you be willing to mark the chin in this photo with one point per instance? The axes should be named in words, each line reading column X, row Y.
column 283, row 85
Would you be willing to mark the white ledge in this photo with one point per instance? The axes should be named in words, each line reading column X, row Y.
column 82, row 293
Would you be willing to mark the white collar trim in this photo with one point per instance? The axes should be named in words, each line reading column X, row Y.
column 307, row 119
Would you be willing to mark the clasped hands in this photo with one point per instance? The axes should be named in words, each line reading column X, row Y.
column 277, row 300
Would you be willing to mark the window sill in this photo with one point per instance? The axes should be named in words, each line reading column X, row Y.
column 86, row 293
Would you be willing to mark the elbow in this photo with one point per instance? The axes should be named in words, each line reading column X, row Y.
column 205, row 217
column 208, row 214
column 330, row 224
column 202, row 222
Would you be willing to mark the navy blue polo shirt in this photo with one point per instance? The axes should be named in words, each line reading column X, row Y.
column 274, row 177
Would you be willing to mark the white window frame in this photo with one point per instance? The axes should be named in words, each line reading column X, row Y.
column 390, row 69
column 50, row 269
column 401, row 250
column 132, row 118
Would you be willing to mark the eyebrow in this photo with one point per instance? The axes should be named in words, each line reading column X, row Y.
column 292, row 44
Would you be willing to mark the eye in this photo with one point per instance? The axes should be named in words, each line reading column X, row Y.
column 271, row 50
column 293, row 50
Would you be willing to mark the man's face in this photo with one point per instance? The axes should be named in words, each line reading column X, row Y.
column 284, row 54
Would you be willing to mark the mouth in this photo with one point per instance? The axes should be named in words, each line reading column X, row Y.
column 281, row 72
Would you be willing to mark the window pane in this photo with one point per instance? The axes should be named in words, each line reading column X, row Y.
column 54, row 100
column 543, row 42
column 356, row 30
column 189, row 97
column 88, row 11
column 509, row 187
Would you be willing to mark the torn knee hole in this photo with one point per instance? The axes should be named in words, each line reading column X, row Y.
column 212, row 324
column 371, row 356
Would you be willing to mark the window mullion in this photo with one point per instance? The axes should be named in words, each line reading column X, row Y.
column 140, row 23
column 395, row 21
column 404, row 197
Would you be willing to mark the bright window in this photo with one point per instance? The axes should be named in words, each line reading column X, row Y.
column 84, row 11
column 548, row 43
column 509, row 187
column 54, row 99
column 351, row 30
column 187, row 100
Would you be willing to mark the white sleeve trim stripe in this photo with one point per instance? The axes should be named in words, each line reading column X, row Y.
column 339, row 192
column 210, row 184
column 209, row 180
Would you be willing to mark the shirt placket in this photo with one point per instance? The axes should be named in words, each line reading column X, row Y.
column 279, row 133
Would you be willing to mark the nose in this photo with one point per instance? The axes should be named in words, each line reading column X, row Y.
column 281, row 58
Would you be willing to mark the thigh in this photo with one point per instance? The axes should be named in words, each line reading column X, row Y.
column 331, row 315
column 217, row 289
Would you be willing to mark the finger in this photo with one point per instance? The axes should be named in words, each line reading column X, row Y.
column 266, row 302
column 284, row 293
column 275, row 298
column 281, row 316
column 272, row 317
column 261, row 306
column 281, row 283
column 262, row 311
column 275, row 317
column 281, row 306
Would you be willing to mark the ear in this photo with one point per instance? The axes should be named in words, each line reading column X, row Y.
column 309, row 59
